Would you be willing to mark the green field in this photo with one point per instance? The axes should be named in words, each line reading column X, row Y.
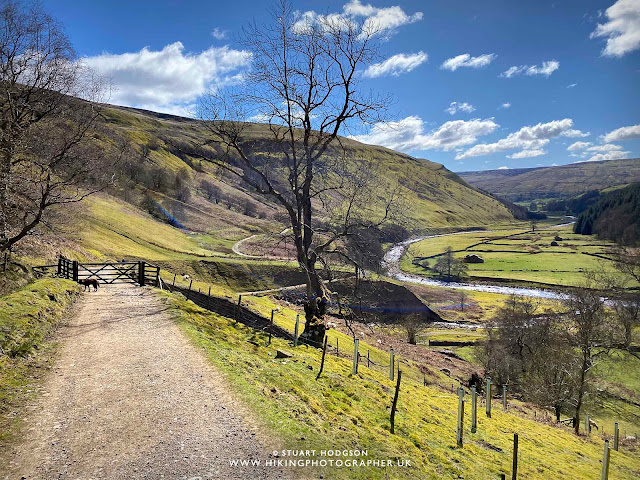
column 522, row 257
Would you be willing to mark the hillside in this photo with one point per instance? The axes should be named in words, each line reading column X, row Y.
column 555, row 182
column 616, row 216
column 165, row 152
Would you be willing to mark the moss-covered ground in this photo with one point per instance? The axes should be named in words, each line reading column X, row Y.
column 27, row 319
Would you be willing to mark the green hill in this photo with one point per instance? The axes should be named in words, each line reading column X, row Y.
column 565, row 181
column 166, row 147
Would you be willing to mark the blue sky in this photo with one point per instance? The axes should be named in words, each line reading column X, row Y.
column 534, row 83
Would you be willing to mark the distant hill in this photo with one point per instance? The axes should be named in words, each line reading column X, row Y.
column 565, row 181
column 616, row 216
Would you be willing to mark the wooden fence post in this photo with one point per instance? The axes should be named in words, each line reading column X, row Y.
column 237, row 310
column 395, row 402
column 355, row 356
column 504, row 397
column 586, row 424
column 189, row 291
column 74, row 271
column 474, row 409
column 489, row 397
column 391, row 365
column 174, row 281
column 337, row 347
column 460, row 425
column 141, row 274
column 271, row 326
column 60, row 266
column 368, row 361
column 615, row 436
column 324, row 352
column 209, row 294
column 295, row 335
column 514, row 473
column 605, row 461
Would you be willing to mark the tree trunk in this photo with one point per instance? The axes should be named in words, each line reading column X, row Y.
column 583, row 374
column 315, row 309
column 557, row 409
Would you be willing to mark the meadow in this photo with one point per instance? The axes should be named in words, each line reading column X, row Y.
column 518, row 255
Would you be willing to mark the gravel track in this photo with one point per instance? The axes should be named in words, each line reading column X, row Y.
column 130, row 398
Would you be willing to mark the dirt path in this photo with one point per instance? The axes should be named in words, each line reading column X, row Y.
column 236, row 247
column 130, row 397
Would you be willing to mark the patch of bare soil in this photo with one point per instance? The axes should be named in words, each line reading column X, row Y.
column 130, row 397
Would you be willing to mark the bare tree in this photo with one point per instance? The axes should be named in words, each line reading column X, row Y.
column 46, row 156
column 413, row 325
column 304, row 84
column 449, row 267
column 532, row 351
column 462, row 296
column 592, row 334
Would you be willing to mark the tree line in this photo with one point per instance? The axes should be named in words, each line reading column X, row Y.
column 615, row 217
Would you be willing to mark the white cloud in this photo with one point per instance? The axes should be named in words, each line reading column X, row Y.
column 608, row 147
column 504, row 167
column 574, row 147
column 462, row 107
column 527, row 138
column 623, row 133
column 622, row 30
column 505, row 105
column 168, row 80
column 527, row 154
column 614, row 155
column 408, row 134
column 466, row 60
column 572, row 85
column 219, row 34
column 396, row 65
column 379, row 20
column 575, row 133
column 546, row 69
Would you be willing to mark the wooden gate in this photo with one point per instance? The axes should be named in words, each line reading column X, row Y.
column 142, row 273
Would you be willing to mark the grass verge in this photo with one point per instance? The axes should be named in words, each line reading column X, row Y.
column 27, row 319
column 345, row 411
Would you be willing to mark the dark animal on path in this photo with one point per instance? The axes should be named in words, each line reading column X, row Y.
column 88, row 283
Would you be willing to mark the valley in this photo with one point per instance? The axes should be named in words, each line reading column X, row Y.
column 228, row 257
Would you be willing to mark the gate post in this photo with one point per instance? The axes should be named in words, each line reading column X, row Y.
column 60, row 265
column 75, row 271
column 141, row 273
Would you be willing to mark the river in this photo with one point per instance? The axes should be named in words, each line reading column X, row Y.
column 395, row 253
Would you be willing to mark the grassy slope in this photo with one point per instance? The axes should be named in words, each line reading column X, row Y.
column 435, row 196
column 27, row 317
column 345, row 411
column 562, row 181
